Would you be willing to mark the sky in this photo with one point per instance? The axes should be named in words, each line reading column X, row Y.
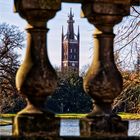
column 54, row 35
column 55, row 26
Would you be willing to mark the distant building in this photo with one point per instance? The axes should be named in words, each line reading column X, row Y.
column 70, row 47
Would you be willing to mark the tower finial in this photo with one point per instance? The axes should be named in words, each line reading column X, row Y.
column 70, row 15
column 70, row 30
column 70, row 11
column 78, row 30
column 78, row 34
column 62, row 30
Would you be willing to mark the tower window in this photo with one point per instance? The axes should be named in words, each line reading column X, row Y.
column 74, row 50
column 73, row 64
column 71, row 50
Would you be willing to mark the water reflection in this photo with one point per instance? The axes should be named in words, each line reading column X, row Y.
column 134, row 128
column 6, row 130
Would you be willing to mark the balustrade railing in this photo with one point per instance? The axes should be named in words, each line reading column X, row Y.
column 37, row 79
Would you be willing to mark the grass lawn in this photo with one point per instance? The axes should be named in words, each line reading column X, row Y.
column 6, row 118
column 129, row 116
column 7, row 115
column 5, row 122
column 71, row 115
column 124, row 116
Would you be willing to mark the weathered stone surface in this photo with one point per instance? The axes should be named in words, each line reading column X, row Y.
column 135, row 2
column 35, row 125
column 49, row 126
column 103, row 81
column 37, row 10
column 104, row 12
column 37, row 4
column 71, row 138
column 36, row 78
column 104, row 125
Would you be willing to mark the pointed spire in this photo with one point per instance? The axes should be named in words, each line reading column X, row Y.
column 78, row 34
column 78, row 31
column 71, row 12
column 70, row 21
column 62, row 33
column 70, row 15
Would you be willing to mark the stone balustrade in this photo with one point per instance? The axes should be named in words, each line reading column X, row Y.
column 36, row 78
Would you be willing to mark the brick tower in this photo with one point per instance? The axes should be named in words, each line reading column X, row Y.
column 70, row 47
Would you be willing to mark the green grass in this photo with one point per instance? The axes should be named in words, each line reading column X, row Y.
column 5, row 122
column 129, row 116
column 124, row 116
column 7, row 118
column 71, row 115
column 7, row 115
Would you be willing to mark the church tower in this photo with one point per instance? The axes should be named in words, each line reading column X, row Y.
column 70, row 47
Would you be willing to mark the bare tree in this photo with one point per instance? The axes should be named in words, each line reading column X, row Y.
column 127, row 52
column 129, row 99
column 11, row 40
column 127, row 43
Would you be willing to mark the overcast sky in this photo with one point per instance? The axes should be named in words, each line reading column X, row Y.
column 55, row 26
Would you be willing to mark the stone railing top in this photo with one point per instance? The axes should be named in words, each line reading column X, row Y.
column 132, row 2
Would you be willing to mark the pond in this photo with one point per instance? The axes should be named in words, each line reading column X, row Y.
column 134, row 129
column 6, row 130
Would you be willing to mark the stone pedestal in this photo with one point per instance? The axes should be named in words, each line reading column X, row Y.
column 111, row 125
column 36, row 125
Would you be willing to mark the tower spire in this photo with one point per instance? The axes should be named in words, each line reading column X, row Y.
column 70, row 29
column 71, row 12
column 62, row 34
column 78, row 34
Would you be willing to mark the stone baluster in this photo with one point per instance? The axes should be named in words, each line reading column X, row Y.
column 36, row 79
column 103, row 81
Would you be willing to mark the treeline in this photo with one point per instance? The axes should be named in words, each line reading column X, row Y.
column 69, row 96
